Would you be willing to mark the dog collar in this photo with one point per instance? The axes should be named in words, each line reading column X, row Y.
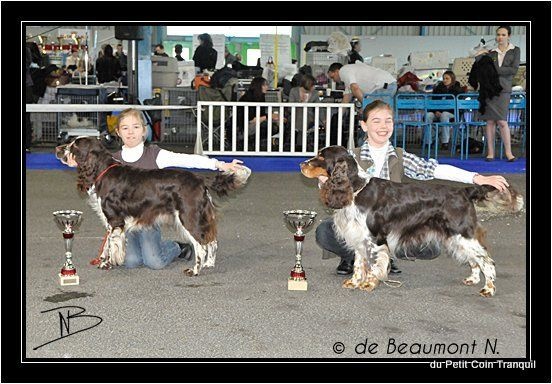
column 92, row 188
column 105, row 171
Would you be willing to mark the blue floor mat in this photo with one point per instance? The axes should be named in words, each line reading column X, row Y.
column 291, row 164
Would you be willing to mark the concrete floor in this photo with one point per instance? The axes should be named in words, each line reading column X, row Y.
column 242, row 309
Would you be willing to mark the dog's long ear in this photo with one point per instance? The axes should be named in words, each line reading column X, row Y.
column 337, row 191
column 356, row 181
column 91, row 159
column 86, row 176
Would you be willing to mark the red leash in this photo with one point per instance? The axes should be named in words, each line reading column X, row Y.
column 98, row 259
column 105, row 171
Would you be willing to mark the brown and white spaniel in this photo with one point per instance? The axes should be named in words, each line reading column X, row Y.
column 128, row 198
column 378, row 218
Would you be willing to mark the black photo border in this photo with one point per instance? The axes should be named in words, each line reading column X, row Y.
column 15, row 368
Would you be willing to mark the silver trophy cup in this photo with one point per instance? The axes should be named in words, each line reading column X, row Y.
column 298, row 222
column 68, row 221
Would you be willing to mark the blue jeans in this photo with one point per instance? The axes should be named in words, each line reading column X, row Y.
column 145, row 247
column 327, row 239
column 389, row 91
column 445, row 129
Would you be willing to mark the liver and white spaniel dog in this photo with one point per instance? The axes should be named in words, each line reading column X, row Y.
column 128, row 198
column 377, row 218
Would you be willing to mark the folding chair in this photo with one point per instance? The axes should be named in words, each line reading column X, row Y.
column 410, row 111
column 467, row 107
column 517, row 118
column 440, row 102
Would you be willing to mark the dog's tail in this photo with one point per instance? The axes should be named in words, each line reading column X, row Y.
column 228, row 181
column 487, row 199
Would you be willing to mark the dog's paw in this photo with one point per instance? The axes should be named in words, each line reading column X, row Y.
column 470, row 281
column 350, row 284
column 369, row 284
column 488, row 290
column 208, row 264
column 105, row 265
column 190, row 272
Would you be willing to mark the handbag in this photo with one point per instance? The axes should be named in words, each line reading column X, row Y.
column 201, row 80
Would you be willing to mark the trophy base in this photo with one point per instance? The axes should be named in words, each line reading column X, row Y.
column 68, row 279
column 297, row 285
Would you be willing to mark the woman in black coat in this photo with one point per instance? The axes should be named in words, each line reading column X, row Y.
column 256, row 93
column 205, row 56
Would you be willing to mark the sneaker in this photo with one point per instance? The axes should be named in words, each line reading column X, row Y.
column 186, row 251
column 345, row 267
column 393, row 267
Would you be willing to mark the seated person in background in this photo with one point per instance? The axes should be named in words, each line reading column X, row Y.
column 229, row 59
column 73, row 61
column 305, row 93
column 354, row 53
column 256, row 93
column 449, row 85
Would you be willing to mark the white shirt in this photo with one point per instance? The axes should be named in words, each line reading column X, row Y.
column 170, row 159
column 368, row 78
column 502, row 54
column 379, row 156
column 72, row 61
column 442, row 171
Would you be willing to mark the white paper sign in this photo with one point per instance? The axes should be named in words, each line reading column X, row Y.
column 186, row 73
column 267, row 43
column 429, row 60
column 218, row 45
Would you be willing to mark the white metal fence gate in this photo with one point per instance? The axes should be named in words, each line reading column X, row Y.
column 308, row 128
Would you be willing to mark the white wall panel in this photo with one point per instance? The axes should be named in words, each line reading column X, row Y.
column 401, row 46
column 410, row 30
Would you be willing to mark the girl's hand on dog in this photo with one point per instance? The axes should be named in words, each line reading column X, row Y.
column 233, row 166
column 71, row 160
column 497, row 181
